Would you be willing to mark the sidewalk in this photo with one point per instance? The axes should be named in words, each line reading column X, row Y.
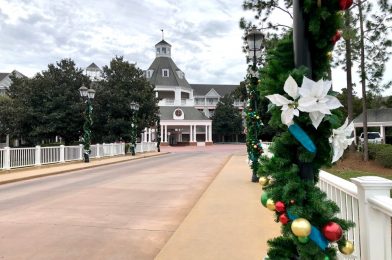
column 228, row 222
column 33, row 172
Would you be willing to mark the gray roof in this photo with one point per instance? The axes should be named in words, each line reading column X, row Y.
column 203, row 89
column 376, row 115
column 163, row 42
column 3, row 75
column 190, row 113
column 173, row 80
column 93, row 67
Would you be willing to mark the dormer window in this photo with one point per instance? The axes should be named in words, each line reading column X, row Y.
column 164, row 50
column 149, row 73
column 180, row 74
column 158, row 50
column 165, row 73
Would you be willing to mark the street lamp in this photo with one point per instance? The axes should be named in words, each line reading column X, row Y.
column 87, row 95
column 255, row 41
column 134, row 108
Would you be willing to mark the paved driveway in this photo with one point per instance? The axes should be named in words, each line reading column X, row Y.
column 122, row 211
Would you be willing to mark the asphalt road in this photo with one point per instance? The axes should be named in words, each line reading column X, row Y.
column 122, row 211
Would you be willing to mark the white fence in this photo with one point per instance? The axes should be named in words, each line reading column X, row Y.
column 365, row 201
column 24, row 157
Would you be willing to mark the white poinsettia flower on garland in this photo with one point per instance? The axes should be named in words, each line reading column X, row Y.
column 315, row 99
column 289, row 107
column 340, row 139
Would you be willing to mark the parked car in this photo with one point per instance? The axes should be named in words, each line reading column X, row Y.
column 373, row 138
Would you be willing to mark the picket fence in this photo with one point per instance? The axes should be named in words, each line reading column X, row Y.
column 34, row 156
column 365, row 201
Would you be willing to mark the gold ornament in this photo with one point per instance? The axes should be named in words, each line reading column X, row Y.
column 263, row 181
column 329, row 55
column 347, row 249
column 270, row 204
column 257, row 117
column 301, row 227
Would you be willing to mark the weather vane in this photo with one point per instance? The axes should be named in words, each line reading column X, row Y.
column 162, row 34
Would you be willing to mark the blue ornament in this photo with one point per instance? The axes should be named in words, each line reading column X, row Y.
column 302, row 137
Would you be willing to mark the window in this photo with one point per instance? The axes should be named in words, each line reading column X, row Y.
column 158, row 50
column 164, row 50
column 149, row 73
column 165, row 73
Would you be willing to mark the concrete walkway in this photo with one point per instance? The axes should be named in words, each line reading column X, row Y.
column 228, row 222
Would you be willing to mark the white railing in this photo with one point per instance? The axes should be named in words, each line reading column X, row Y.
column 23, row 157
column 344, row 194
column 365, row 201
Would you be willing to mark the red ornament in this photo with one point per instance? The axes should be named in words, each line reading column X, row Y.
column 284, row 219
column 336, row 37
column 345, row 4
column 280, row 207
column 332, row 231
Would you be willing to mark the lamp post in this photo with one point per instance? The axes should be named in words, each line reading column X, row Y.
column 159, row 132
column 87, row 95
column 134, row 108
column 254, row 40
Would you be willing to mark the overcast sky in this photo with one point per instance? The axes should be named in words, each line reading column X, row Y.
column 205, row 36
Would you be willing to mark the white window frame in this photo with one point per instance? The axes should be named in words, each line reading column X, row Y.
column 163, row 73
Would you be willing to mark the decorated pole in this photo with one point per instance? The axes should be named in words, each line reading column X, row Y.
column 313, row 134
column 254, row 40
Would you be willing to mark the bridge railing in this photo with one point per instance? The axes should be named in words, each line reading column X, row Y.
column 365, row 201
column 35, row 156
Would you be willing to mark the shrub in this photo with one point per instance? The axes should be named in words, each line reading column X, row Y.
column 374, row 148
column 384, row 156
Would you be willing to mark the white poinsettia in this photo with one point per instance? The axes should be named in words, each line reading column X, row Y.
column 340, row 139
column 315, row 99
column 289, row 107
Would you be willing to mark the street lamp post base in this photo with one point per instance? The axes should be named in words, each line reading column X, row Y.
column 254, row 177
column 86, row 158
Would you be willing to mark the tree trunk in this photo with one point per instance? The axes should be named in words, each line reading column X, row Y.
column 363, row 82
column 349, row 75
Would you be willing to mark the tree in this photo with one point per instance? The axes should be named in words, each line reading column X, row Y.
column 227, row 120
column 367, row 43
column 122, row 83
column 49, row 104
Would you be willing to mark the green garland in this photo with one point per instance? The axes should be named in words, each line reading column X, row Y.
column 253, row 123
column 287, row 193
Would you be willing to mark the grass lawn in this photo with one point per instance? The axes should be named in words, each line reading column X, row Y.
column 350, row 173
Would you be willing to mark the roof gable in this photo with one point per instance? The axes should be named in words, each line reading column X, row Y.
column 212, row 93
column 190, row 113
column 203, row 89
column 376, row 115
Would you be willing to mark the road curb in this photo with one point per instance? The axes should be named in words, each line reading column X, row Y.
column 78, row 169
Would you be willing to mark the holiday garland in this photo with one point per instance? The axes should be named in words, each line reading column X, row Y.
column 253, row 122
column 312, row 135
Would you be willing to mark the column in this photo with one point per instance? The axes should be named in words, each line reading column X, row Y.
column 382, row 132
column 206, row 134
column 145, row 135
column 165, row 133
column 190, row 134
column 194, row 133
column 7, row 158
column 149, row 135
column 210, row 132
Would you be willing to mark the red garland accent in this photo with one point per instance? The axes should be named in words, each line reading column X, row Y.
column 345, row 4
column 336, row 37
column 332, row 231
column 284, row 219
column 280, row 207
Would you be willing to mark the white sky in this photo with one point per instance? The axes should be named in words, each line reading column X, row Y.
column 205, row 35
